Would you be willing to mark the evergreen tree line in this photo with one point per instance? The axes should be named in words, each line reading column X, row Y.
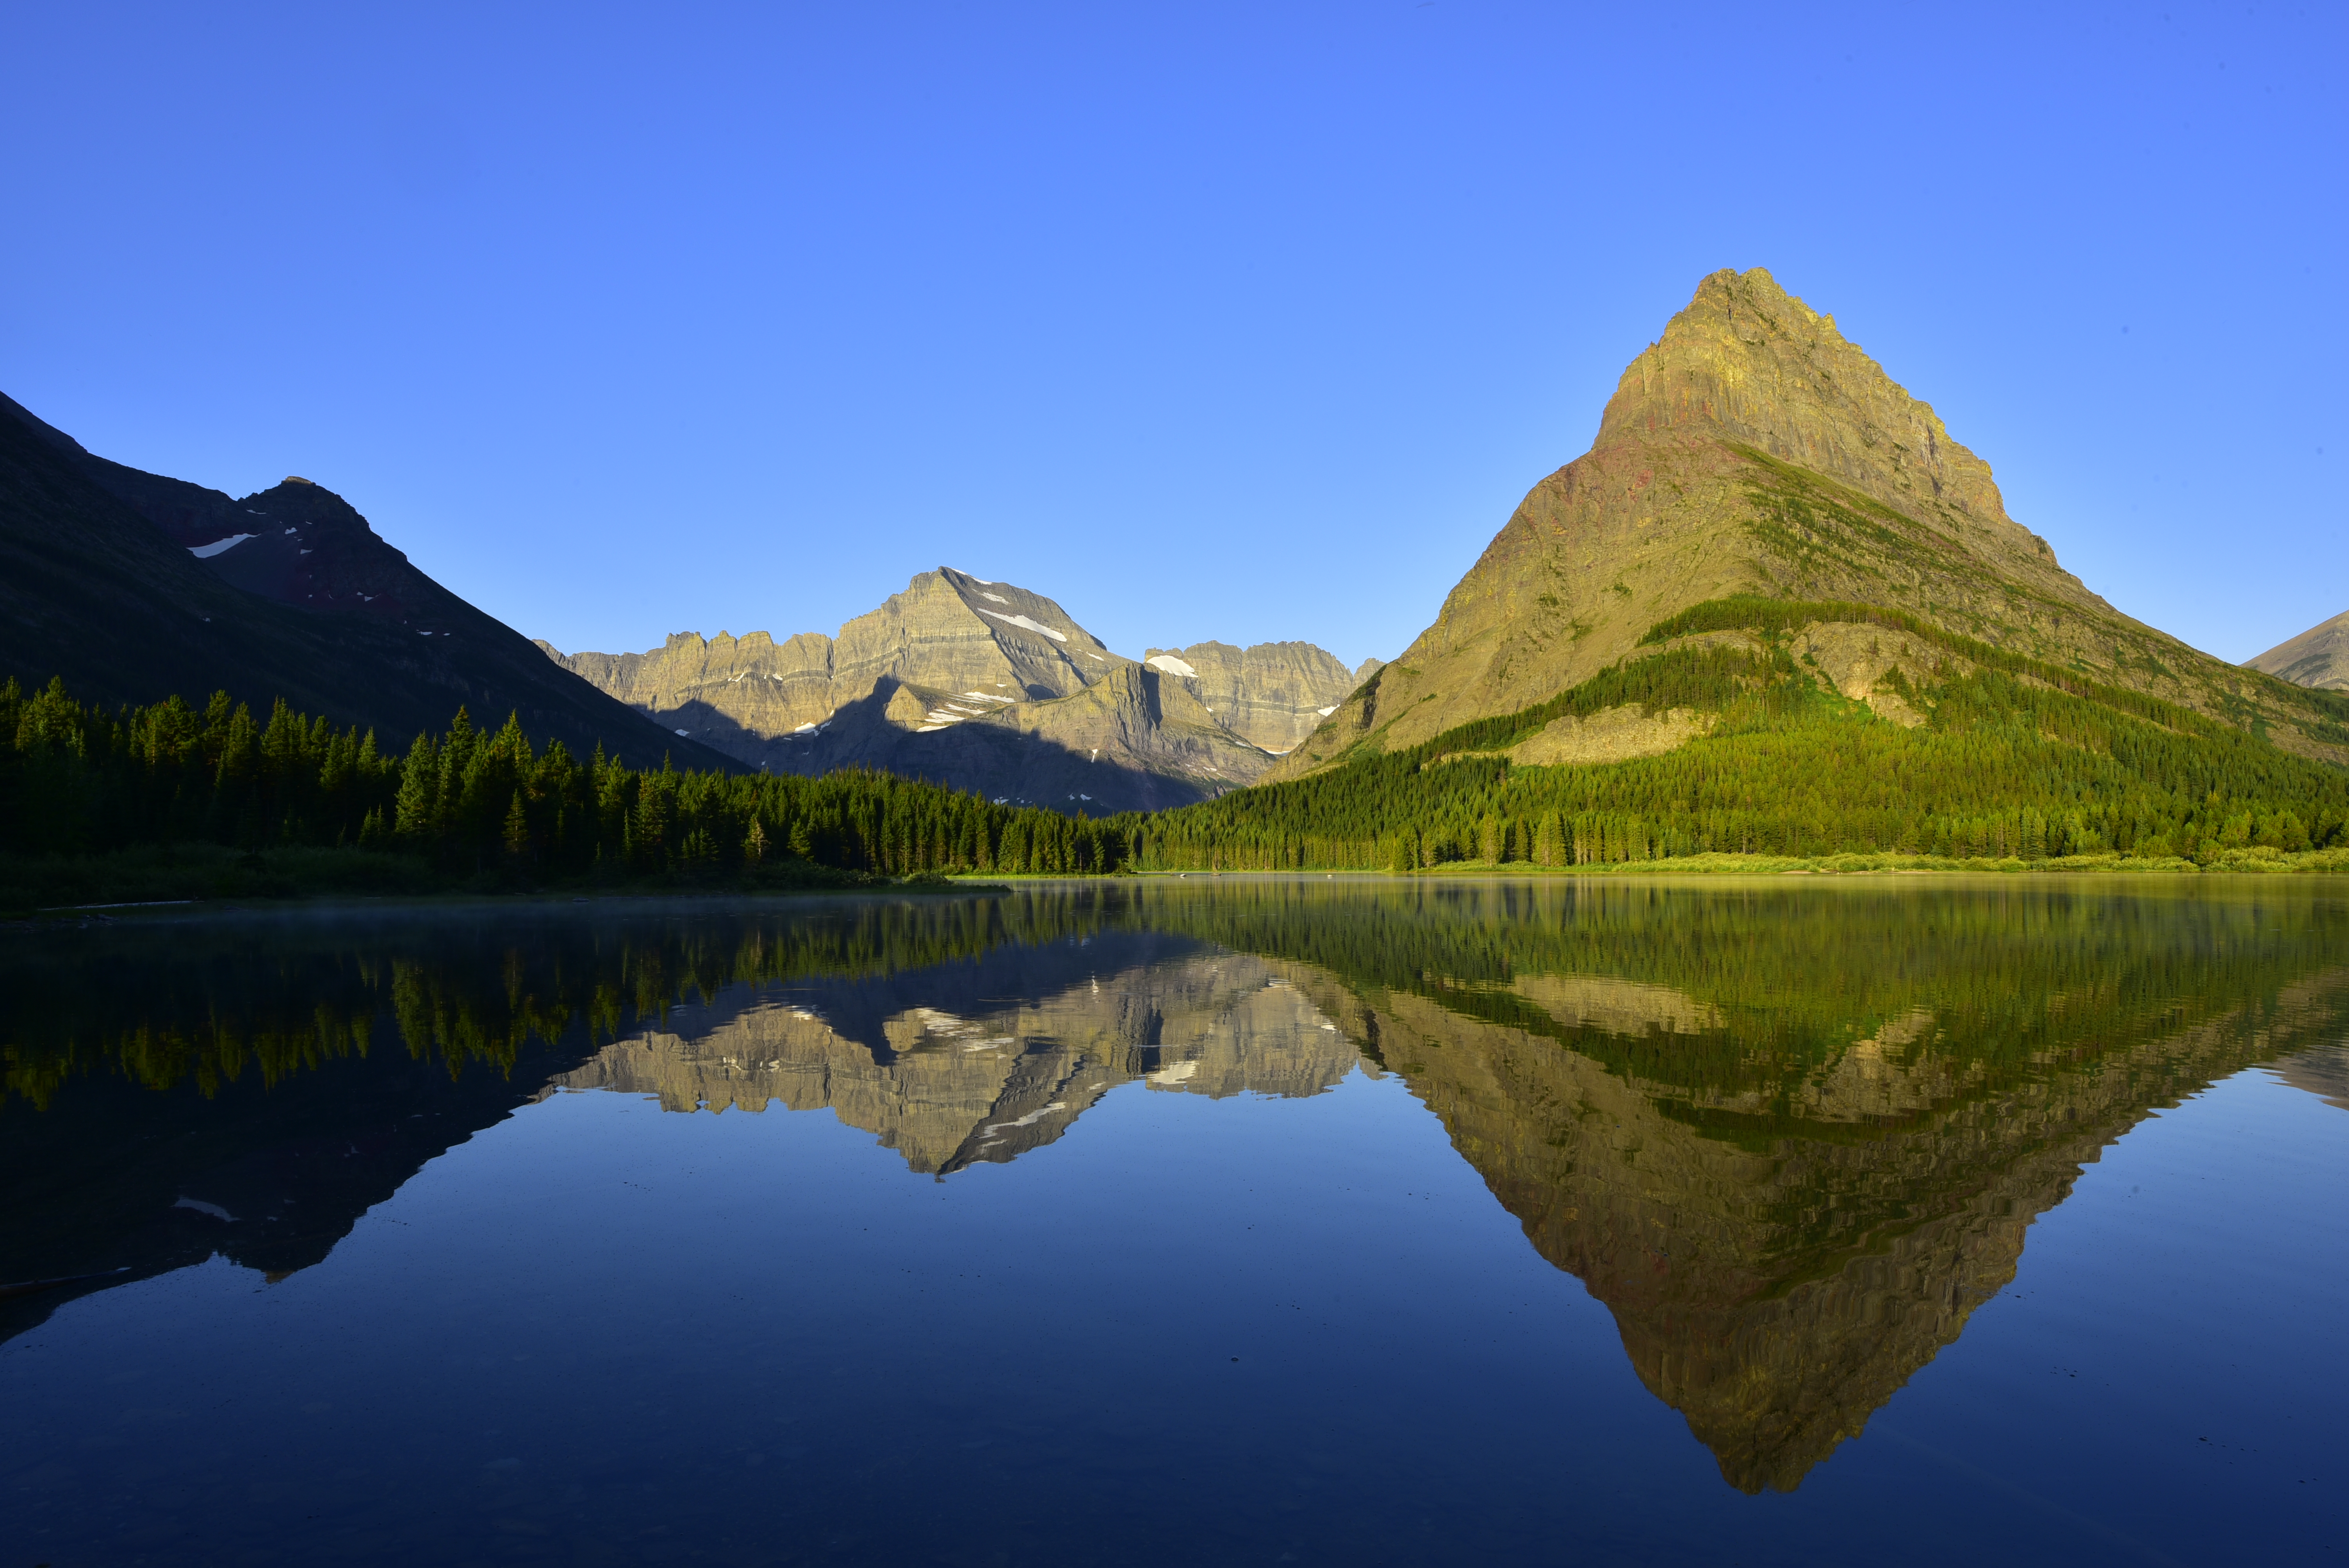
column 2017, row 761
column 78, row 780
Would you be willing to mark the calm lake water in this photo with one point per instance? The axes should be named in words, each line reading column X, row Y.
column 1254, row 1221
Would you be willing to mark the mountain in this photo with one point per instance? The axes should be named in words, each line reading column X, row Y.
column 983, row 686
column 948, row 639
column 2317, row 657
column 134, row 586
column 1272, row 694
column 1753, row 453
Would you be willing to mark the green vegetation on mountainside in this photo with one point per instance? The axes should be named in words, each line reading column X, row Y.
column 2004, row 757
column 2015, row 757
column 2323, row 714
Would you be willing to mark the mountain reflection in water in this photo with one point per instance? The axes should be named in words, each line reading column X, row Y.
column 1791, row 1137
column 993, row 1058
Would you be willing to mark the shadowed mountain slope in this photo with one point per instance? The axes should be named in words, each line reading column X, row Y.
column 135, row 587
column 1753, row 453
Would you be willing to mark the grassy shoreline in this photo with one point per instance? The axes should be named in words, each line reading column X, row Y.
column 2257, row 861
column 202, row 873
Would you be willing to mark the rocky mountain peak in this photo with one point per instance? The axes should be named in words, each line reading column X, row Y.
column 986, row 686
column 1749, row 361
column 1751, row 450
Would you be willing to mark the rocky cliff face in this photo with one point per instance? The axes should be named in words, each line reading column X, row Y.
column 986, row 686
column 1753, row 450
column 958, row 639
column 1272, row 694
column 2317, row 657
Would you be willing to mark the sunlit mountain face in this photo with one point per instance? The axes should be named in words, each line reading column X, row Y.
column 1792, row 1136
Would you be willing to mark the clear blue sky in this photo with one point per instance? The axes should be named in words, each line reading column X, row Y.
column 1241, row 321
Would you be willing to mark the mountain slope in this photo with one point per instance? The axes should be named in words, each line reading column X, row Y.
column 2317, row 657
column 1753, row 453
column 98, row 584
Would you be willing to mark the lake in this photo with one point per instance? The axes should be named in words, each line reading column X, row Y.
column 1239, row 1219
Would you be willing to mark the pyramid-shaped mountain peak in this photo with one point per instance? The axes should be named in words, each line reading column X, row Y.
column 1748, row 361
column 1751, row 452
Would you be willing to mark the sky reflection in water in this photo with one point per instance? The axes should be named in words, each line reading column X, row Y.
column 1713, row 1246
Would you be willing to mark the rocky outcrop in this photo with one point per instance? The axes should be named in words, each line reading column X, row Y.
column 1753, row 450
column 1860, row 661
column 1271, row 695
column 1611, row 735
column 2317, row 657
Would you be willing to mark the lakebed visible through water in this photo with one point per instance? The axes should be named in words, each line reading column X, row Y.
column 1248, row 1220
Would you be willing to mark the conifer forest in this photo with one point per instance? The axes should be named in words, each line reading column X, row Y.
column 2008, row 762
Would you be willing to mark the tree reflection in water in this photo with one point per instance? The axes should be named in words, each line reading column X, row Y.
column 1789, row 1135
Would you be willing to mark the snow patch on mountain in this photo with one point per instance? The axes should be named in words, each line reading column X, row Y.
column 1026, row 624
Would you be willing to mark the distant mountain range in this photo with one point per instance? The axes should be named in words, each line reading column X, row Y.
column 986, row 686
column 2318, row 657
column 135, row 587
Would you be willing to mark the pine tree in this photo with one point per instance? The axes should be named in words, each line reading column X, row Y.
column 415, row 814
column 517, row 830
